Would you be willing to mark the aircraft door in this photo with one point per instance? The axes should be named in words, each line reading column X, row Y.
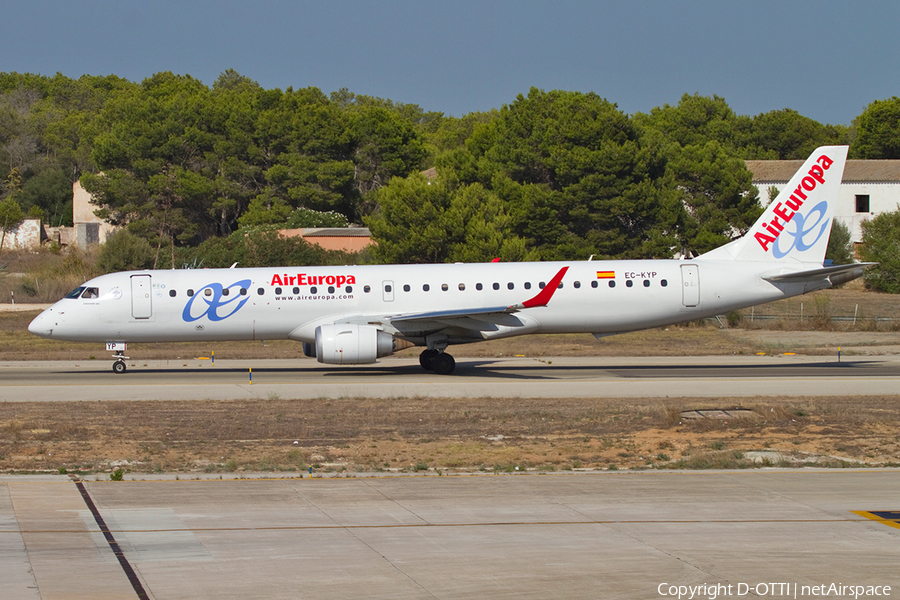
column 690, row 279
column 140, row 297
column 387, row 288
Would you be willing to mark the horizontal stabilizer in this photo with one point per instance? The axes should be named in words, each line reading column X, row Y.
column 835, row 274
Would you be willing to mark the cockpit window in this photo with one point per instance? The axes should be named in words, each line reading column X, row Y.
column 90, row 293
column 75, row 293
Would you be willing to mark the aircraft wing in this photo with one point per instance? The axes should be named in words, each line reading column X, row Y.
column 477, row 319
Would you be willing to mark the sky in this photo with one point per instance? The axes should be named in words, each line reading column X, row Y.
column 826, row 59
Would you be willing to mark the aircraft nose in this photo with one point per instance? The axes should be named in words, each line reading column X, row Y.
column 41, row 325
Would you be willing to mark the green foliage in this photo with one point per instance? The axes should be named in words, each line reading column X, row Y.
column 124, row 251
column 552, row 175
column 305, row 217
column 574, row 177
column 715, row 188
column 117, row 475
column 422, row 221
column 840, row 249
column 11, row 214
column 881, row 244
column 50, row 192
column 262, row 248
column 878, row 130
column 787, row 135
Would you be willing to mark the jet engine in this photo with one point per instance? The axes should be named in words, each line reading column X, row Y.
column 350, row 344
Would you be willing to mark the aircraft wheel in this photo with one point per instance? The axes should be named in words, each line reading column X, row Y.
column 119, row 367
column 444, row 364
column 426, row 359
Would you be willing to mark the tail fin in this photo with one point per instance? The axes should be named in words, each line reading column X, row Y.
column 796, row 225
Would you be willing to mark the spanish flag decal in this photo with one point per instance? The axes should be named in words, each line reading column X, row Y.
column 606, row 274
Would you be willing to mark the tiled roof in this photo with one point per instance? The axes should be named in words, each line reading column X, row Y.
column 336, row 232
column 856, row 170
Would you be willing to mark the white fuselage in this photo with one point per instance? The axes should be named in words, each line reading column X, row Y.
column 602, row 297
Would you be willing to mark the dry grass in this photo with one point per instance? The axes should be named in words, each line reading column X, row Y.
column 355, row 434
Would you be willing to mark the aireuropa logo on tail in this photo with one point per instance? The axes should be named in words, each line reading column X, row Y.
column 802, row 226
column 219, row 302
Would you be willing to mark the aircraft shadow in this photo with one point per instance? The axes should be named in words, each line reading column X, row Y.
column 494, row 369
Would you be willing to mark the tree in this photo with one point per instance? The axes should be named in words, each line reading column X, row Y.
column 11, row 214
column 574, row 175
column 790, row 135
column 422, row 221
column 881, row 244
column 839, row 250
column 124, row 251
column 878, row 130
column 716, row 190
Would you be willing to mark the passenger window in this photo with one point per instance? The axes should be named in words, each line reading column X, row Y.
column 462, row 287
column 367, row 289
column 646, row 283
column 510, row 285
column 207, row 292
column 576, row 285
column 278, row 291
column 663, row 283
column 312, row 290
column 225, row 292
column 425, row 287
column 388, row 289
column 330, row 289
column 612, row 283
column 629, row 283
column 445, row 287
column 559, row 287
column 171, row 293
column 405, row 287
column 479, row 287
column 190, row 293
column 348, row 289
column 243, row 291
column 496, row 286
column 260, row 291
column 542, row 285
column 594, row 284
column 296, row 290
column 527, row 285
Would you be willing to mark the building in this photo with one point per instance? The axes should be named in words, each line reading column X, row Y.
column 89, row 228
column 348, row 239
column 869, row 188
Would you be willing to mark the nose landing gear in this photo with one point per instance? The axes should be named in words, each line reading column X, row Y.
column 119, row 366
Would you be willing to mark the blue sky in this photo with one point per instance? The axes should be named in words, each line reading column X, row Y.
column 826, row 59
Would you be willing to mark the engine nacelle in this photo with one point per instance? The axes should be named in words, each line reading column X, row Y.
column 349, row 344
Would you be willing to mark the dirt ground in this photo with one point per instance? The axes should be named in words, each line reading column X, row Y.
column 446, row 435
column 451, row 435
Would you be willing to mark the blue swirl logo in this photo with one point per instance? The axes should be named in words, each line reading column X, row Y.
column 799, row 228
column 217, row 307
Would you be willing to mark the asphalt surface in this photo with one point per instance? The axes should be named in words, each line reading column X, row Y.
column 604, row 535
column 760, row 533
column 744, row 376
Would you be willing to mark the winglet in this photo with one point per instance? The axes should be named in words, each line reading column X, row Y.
column 543, row 297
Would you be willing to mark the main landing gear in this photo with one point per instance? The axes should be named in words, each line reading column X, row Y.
column 437, row 361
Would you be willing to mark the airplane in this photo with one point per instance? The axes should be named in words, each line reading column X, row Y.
column 357, row 314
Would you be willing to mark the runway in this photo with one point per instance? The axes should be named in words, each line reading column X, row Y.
column 604, row 535
column 715, row 376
